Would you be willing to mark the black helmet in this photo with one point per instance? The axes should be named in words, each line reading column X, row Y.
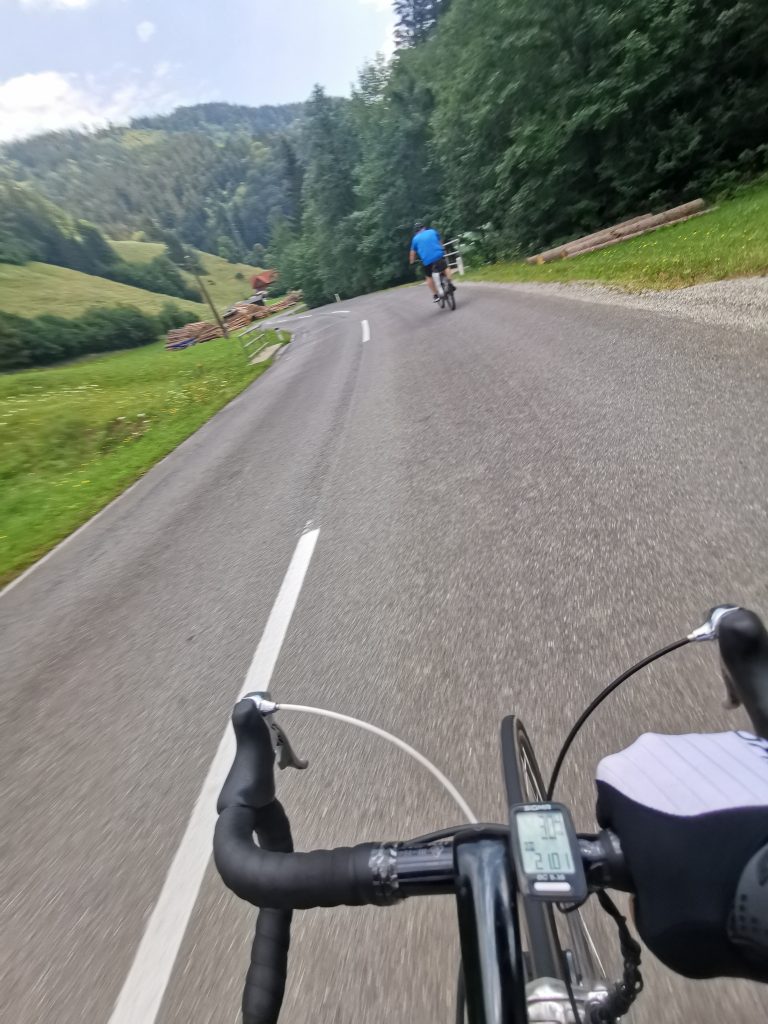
column 419, row 224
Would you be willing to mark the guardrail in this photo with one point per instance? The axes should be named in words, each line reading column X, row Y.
column 259, row 341
column 453, row 256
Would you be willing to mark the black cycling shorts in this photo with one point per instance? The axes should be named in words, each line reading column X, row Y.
column 438, row 267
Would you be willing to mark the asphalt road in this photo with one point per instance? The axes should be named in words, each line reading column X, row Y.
column 514, row 502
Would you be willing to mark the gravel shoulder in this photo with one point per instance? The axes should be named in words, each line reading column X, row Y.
column 740, row 303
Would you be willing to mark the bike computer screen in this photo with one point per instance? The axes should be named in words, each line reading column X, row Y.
column 546, row 853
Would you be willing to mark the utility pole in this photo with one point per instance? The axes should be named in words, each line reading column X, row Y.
column 204, row 290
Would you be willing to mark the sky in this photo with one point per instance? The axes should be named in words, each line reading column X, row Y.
column 85, row 63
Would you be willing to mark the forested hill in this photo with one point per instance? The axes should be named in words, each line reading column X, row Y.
column 221, row 119
column 214, row 175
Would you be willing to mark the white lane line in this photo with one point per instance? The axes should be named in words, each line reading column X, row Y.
column 143, row 990
column 366, row 331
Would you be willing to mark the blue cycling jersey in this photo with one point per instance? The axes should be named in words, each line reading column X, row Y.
column 427, row 246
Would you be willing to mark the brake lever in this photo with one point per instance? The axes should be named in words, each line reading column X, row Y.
column 286, row 755
column 710, row 630
column 284, row 752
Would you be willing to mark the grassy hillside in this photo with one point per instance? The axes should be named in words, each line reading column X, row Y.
column 220, row 277
column 137, row 252
column 222, row 281
column 731, row 241
column 42, row 288
column 74, row 436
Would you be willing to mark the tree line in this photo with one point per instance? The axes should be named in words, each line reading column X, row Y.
column 525, row 122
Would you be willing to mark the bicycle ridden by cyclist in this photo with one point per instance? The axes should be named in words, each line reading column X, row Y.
column 427, row 246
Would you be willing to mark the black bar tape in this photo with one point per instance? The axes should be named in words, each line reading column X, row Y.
column 744, row 654
column 265, row 981
column 284, row 880
column 272, row 828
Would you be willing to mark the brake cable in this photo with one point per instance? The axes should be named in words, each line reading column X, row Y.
column 623, row 994
column 269, row 707
column 599, row 700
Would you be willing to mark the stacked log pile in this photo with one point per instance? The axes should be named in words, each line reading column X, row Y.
column 242, row 314
column 621, row 232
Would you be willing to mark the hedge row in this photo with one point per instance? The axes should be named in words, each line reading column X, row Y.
column 49, row 339
column 157, row 275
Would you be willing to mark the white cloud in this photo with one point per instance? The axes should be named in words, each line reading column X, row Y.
column 145, row 30
column 50, row 100
column 388, row 47
column 63, row 5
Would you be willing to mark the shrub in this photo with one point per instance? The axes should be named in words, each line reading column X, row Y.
column 48, row 339
column 13, row 351
column 171, row 316
column 158, row 275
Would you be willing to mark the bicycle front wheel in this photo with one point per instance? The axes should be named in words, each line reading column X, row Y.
column 525, row 785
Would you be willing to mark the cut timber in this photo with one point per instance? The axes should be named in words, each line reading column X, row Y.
column 621, row 232
column 243, row 313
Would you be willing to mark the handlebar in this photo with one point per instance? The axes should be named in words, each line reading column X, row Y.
column 271, row 875
column 278, row 880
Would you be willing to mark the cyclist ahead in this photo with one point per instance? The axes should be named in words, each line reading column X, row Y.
column 426, row 245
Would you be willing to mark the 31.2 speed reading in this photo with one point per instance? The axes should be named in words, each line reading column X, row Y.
column 544, row 843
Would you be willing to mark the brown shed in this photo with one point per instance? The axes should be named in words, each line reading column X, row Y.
column 263, row 279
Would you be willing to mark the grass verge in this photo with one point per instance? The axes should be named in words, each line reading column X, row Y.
column 73, row 437
column 731, row 241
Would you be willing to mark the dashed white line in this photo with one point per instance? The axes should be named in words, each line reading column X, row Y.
column 366, row 331
column 143, row 990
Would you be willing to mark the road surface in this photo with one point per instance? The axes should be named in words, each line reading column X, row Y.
column 514, row 501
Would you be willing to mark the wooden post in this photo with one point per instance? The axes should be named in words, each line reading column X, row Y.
column 204, row 290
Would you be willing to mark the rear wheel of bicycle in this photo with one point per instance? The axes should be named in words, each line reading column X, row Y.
column 450, row 293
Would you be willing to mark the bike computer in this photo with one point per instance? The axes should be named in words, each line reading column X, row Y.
column 546, row 853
